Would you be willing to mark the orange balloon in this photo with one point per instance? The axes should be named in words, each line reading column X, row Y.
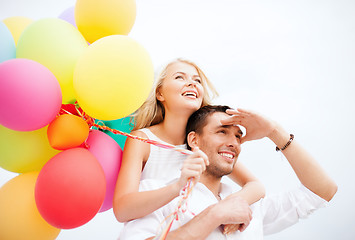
column 67, row 131
column 19, row 216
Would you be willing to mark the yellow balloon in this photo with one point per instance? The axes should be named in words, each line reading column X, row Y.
column 16, row 25
column 97, row 19
column 113, row 77
column 24, row 151
column 19, row 218
column 56, row 44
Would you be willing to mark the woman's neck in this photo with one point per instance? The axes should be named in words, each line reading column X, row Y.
column 172, row 129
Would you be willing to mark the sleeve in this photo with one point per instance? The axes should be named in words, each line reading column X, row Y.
column 283, row 210
column 147, row 226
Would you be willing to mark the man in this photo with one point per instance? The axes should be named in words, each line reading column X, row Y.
column 214, row 130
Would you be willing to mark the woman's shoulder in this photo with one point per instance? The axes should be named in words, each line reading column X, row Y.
column 143, row 132
column 137, row 147
column 149, row 132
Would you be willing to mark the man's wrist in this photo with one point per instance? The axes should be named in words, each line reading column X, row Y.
column 214, row 213
column 279, row 136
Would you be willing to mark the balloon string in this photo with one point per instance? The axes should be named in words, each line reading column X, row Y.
column 185, row 191
column 91, row 122
column 180, row 208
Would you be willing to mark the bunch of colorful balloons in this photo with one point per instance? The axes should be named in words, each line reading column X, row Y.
column 67, row 171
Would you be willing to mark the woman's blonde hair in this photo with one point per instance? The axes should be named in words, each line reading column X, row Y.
column 152, row 111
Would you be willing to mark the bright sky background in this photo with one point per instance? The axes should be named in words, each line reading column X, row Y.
column 290, row 60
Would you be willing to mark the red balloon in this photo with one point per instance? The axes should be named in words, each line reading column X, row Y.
column 71, row 108
column 70, row 188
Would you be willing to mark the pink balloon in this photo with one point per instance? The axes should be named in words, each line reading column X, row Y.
column 109, row 154
column 68, row 15
column 30, row 95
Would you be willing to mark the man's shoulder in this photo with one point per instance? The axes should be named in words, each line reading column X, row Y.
column 227, row 188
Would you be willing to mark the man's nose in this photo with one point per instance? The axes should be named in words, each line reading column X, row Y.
column 234, row 143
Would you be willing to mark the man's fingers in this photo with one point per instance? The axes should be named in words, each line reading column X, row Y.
column 250, row 214
column 239, row 111
column 244, row 139
column 245, row 224
column 230, row 228
column 235, row 119
column 243, row 110
column 242, row 227
column 231, row 111
column 232, row 120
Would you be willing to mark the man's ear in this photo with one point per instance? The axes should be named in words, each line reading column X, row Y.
column 192, row 139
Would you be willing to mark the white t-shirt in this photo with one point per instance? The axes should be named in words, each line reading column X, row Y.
column 270, row 215
column 163, row 164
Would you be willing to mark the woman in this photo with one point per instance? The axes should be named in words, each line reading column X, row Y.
column 180, row 90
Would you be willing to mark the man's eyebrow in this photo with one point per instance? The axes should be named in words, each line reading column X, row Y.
column 229, row 126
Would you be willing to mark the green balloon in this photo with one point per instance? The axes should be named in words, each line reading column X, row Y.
column 123, row 124
column 57, row 45
column 22, row 152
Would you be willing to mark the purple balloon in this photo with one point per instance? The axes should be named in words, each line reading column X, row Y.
column 68, row 15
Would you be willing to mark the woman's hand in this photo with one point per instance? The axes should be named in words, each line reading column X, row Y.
column 256, row 125
column 193, row 167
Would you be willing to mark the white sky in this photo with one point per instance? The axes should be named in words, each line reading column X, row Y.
column 291, row 60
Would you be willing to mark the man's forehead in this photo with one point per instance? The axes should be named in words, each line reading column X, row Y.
column 214, row 121
column 215, row 118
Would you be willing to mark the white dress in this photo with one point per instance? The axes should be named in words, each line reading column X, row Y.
column 162, row 164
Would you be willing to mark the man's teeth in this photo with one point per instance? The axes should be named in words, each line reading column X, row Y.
column 190, row 94
column 227, row 155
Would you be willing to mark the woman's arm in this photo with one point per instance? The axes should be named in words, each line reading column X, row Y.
column 252, row 189
column 128, row 202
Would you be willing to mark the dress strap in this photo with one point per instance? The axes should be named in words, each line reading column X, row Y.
column 149, row 134
column 152, row 136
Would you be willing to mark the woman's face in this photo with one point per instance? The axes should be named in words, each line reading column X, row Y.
column 181, row 88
